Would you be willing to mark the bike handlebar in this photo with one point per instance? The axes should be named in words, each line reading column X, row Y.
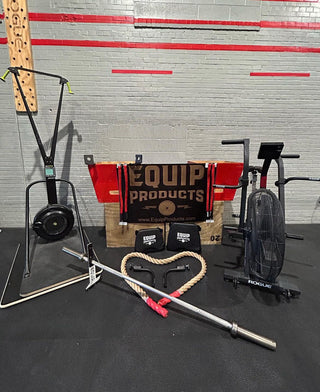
column 286, row 180
column 290, row 155
column 227, row 186
column 69, row 88
column 301, row 179
column 15, row 70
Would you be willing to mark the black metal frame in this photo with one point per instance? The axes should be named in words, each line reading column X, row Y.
column 48, row 160
column 237, row 277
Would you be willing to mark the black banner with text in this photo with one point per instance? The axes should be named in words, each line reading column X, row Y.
column 166, row 193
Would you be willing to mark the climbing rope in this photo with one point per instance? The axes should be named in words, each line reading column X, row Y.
column 158, row 307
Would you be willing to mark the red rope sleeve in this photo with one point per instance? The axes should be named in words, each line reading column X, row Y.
column 165, row 301
column 156, row 307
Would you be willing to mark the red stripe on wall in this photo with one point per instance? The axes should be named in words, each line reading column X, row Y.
column 141, row 71
column 290, row 25
column 47, row 17
column 263, row 23
column 174, row 46
column 79, row 18
column 292, row 74
column 169, row 46
column 195, row 22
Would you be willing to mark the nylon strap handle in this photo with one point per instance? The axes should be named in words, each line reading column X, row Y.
column 208, row 190
column 125, row 172
column 119, row 173
column 213, row 181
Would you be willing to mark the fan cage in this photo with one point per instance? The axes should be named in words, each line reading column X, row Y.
column 265, row 245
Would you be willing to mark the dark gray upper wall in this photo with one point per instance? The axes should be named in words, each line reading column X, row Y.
column 209, row 96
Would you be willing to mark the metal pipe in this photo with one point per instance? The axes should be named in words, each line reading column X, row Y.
column 233, row 328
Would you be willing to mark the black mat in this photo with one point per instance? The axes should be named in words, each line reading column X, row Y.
column 107, row 339
column 49, row 266
column 50, row 269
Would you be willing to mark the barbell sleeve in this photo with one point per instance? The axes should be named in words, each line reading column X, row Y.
column 253, row 337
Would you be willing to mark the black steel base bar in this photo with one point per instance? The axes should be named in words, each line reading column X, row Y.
column 232, row 327
column 278, row 288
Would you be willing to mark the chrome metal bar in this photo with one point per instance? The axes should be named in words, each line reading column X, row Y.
column 233, row 328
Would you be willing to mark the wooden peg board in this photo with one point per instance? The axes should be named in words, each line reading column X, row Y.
column 20, row 50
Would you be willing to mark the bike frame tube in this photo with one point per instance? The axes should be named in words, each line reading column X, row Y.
column 281, row 183
column 245, row 182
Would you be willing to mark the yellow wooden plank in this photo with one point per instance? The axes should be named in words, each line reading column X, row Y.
column 20, row 50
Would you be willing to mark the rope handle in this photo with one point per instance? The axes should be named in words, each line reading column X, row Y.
column 156, row 307
column 164, row 301
column 142, row 293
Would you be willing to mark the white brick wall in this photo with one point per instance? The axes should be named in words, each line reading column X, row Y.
column 168, row 118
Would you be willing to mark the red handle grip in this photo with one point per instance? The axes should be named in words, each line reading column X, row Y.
column 156, row 307
column 165, row 301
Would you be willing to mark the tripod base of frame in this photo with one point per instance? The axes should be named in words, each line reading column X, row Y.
column 50, row 270
column 280, row 287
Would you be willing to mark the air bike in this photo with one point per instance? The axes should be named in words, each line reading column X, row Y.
column 263, row 228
